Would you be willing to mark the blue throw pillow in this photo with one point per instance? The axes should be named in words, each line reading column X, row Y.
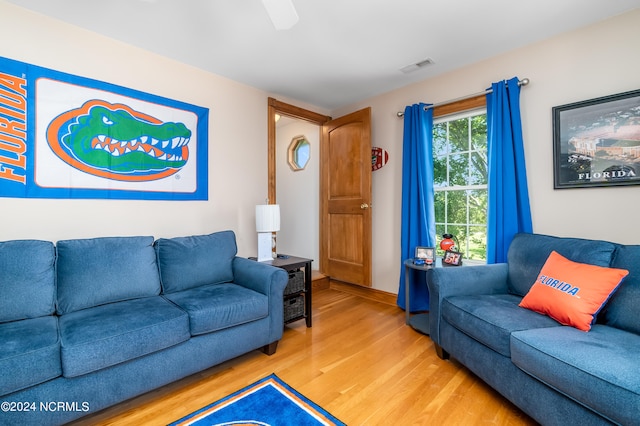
column 97, row 271
column 27, row 279
column 188, row 262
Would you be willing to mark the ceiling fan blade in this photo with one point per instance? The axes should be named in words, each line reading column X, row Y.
column 282, row 13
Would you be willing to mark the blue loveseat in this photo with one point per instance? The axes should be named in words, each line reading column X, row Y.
column 88, row 323
column 557, row 374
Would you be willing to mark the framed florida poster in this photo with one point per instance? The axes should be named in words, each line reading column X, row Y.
column 597, row 142
column 65, row 136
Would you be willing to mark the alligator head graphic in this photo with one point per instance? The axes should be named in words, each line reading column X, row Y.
column 116, row 142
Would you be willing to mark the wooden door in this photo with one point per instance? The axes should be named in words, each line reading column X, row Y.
column 345, row 198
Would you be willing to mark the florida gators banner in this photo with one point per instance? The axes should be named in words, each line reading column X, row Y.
column 64, row 136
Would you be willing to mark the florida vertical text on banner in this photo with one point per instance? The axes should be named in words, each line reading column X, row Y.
column 64, row 136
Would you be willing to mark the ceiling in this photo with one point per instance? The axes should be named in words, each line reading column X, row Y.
column 340, row 51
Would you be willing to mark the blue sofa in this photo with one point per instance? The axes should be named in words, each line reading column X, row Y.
column 556, row 374
column 88, row 323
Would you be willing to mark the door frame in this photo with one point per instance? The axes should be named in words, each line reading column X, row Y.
column 274, row 107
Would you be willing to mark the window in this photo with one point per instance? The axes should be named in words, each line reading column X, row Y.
column 460, row 180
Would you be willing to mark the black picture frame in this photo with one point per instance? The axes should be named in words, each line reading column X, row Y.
column 596, row 142
column 452, row 258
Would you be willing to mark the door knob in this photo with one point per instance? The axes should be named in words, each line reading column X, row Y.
column 364, row 206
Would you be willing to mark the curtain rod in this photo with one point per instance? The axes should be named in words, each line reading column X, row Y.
column 522, row 82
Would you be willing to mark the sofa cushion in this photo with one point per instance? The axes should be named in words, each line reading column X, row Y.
column 622, row 309
column 490, row 319
column 96, row 271
column 209, row 259
column 572, row 293
column 27, row 279
column 99, row 337
column 600, row 369
column 216, row 306
column 29, row 353
column 528, row 253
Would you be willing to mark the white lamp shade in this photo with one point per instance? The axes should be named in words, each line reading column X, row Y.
column 267, row 218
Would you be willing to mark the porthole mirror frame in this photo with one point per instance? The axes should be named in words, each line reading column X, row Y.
column 296, row 161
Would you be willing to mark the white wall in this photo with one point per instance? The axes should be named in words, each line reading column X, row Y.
column 595, row 61
column 237, row 139
column 297, row 193
column 592, row 62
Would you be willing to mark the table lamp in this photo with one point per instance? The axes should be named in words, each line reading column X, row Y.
column 267, row 223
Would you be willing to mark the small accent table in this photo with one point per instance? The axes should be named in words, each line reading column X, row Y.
column 292, row 263
column 419, row 322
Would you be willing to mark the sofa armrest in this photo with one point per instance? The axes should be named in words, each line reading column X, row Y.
column 461, row 281
column 268, row 280
column 259, row 277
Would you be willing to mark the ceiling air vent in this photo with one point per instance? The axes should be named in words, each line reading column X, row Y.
column 417, row 66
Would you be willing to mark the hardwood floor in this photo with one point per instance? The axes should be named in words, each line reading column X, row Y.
column 359, row 361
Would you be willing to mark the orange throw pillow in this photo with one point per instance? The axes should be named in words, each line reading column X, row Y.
column 572, row 293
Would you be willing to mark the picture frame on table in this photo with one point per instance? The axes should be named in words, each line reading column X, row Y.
column 596, row 142
column 424, row 256
column 452, row 258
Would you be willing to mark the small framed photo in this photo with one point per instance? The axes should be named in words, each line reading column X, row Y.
column 425, row 255
column 597, row 142
column 452, row 258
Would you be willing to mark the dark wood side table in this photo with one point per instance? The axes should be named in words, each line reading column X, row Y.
column 419, row 322
column 293, row 264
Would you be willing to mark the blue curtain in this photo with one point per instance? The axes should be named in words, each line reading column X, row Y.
column 508, row 210
column 418, row 226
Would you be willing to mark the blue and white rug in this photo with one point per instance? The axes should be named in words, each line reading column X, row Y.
column 267, row 402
